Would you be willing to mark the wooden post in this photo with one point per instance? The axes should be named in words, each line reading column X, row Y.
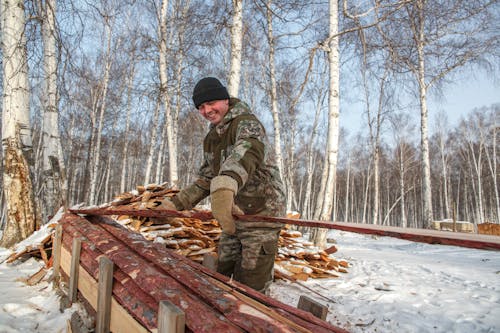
column 310, row 305
column 104, row 295
column 56, row 253
column 171, row 319
column 210, row 261
column 74, row 270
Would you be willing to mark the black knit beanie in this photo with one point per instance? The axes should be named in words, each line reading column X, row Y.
column 209, row 89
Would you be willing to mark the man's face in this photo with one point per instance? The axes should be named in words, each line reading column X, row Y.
column 214, row 111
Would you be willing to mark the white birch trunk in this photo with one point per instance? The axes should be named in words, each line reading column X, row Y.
column 402, row 187
column 347, row 189
column 236, row 48
column 376, row 184
column 100, row 121
column 273, row 92
column 152, row 144
column 123, row 178
column 333, row 124
column 444, row 174
column 310, row 161
column 477, row 165
column 54, row 171
column 16, row 137
column 169, row 123
column 426, row 166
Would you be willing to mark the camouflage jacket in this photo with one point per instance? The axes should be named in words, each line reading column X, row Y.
column 238, row 147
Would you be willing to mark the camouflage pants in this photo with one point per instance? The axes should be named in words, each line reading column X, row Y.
column 249, row 255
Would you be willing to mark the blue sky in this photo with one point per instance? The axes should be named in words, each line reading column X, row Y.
column 457, row 100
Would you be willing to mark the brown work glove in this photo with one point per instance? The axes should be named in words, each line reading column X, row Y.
column 222, row 192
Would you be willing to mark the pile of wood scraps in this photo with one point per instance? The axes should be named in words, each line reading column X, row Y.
column 193, row 238
column 38, row 245
column 303, row 260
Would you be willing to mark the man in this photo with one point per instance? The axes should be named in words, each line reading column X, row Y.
column 240, row 175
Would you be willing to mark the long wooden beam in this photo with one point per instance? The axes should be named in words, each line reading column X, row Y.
column 485, row 242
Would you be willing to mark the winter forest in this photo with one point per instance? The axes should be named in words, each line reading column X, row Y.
column 96, row 100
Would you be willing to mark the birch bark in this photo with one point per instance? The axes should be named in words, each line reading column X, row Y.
column 16, row 137
column 236, row 48
column 100, row 121
column 169, row 121
column 273, row 91
column 319, row 235
column 54, row 171
column 123, row 178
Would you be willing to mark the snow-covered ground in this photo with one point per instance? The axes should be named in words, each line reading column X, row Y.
column 392, row 285
column 395, row 285
column 26, row 308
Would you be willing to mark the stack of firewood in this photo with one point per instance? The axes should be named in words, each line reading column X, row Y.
column 194, row 238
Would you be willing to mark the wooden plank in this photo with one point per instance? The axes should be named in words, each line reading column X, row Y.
column 104, row 295
column 57, row 254
column 121, row 320
column 415, row 235
column 75, row 264
column 171, row 319
column 310, row 305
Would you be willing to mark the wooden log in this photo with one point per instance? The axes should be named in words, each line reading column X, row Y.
column 171, row 319
column 310, row 305
column 56, row 254
column 104, row 295
column 75, row 264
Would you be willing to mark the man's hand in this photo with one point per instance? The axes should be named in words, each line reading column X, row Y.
column 222, row 192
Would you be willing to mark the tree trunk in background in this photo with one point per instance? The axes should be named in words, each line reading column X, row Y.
column 319, row 235
column 100, row 121
column 55, row 185
column 123, row 177
column 444, row 159
column 155, row 128
column 493, row 157
column 273, row 92
column 402, row 187
column 16, row 136
column 419, row 35
column 310, row 160
column 169, row 121
column 236, row 48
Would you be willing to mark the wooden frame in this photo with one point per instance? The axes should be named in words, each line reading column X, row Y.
column 120, row 319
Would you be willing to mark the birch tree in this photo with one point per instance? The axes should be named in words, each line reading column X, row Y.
column 130, row 81
column 99, row 111
column 319, row 235
column 236, row 48
column 16, row 136
column 55, row 185
column 164, row 96
column 273, row 91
